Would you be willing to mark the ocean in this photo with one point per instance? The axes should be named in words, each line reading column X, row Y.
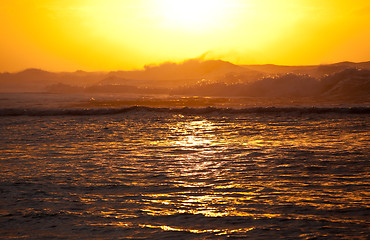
column 81, row 168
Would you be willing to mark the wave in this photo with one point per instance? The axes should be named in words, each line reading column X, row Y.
column 185, row 110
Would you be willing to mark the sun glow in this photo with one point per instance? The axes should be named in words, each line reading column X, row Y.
column 193, row 14
column 62, row 35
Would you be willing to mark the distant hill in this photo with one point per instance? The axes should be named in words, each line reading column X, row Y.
column 36, row 80
column 194, row 75
column 175, row 74
column 312, row 70
column 350, row 83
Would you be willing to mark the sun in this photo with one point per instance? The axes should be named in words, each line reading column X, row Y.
column 192, row 14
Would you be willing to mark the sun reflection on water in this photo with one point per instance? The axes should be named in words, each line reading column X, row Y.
column 205, row 175
column 197, row 133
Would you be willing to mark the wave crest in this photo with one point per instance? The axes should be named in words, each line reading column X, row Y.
column 185, row 110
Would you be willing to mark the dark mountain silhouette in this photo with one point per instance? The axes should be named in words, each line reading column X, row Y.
column 313, row 70
column 350, row 83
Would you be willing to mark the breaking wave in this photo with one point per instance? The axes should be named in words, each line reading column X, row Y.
column 184, row 110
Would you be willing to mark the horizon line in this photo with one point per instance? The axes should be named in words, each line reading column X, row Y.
column 143, row 68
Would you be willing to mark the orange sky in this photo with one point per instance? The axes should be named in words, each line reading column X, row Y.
column 66, row 35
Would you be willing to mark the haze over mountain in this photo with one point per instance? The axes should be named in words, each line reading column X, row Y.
column 197, row 77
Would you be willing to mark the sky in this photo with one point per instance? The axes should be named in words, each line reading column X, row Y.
column 103, row 35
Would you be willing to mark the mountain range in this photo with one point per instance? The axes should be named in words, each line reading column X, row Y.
column 197, row 77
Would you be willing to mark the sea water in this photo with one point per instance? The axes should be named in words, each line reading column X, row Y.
column 184, row 173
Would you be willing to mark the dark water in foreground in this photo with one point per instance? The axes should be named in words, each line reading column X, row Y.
column 150, row 175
